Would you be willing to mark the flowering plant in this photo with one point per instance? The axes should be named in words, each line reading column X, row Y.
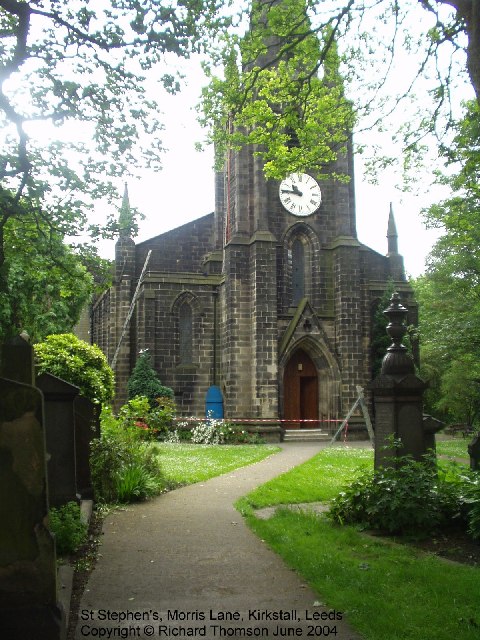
column 221, row 432
column 136, row 414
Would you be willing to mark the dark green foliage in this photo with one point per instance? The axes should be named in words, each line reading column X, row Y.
column 69, row 530
column 449, row 292
column 123, row 467
column 144, row 381
column 472, row 500
column 410, row 499
column 44, row 284
column 77, row 362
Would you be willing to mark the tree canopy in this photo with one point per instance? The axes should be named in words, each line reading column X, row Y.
column 46, row 284
column 69, row 62
column 272, row 96
column 75, row 113
column 396, row 59
column 65, row 62
column 449, row 292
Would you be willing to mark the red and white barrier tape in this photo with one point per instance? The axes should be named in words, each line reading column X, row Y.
column 257, row 420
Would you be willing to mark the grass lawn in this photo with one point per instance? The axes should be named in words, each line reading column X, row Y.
column 388, row 591
column 184, row 464
column 455, row 448
column 335, row 466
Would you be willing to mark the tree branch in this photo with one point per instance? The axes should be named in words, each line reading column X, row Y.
column 22, row 11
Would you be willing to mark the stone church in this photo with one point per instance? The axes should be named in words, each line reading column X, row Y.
column 270, row 299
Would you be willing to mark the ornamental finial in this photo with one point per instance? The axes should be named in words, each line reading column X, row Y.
column 397, row 360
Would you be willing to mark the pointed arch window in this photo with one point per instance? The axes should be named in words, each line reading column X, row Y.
column 298, row 271
column 185, row 330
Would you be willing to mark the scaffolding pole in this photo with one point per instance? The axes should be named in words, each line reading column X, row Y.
column 360, row 401
column 130, row 311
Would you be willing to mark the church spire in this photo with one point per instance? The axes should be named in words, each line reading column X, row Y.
column 392, row 234
column 125, row 219
column 396, row 267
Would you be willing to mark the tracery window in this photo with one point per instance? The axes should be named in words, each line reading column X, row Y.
column 298, row 271
column 185, row 330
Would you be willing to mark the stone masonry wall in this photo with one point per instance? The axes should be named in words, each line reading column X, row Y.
column 238, row 357
column 264, row 329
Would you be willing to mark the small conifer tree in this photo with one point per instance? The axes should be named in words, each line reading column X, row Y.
column 144, row 381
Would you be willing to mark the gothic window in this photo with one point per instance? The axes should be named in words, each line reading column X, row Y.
column 298, row 271
column 185, row 334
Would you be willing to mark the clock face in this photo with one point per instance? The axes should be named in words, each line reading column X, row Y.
column 300, row 194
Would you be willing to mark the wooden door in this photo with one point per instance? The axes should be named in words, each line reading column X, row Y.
column 300, row 391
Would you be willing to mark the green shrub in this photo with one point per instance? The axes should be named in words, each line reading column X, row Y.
column 134, row 482
column 410, row 499
column 150, row 423
column 144, row 381
column 108, row 455
column 119, row 449
column 471, row 488
column 69, row 530
column 82, row 364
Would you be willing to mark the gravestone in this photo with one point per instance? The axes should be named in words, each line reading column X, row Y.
column 87, row 427
column 16, row 360
column 400, row 429
column 59, row 397
column 28, row 591
column 431, row 426
column 474, row 453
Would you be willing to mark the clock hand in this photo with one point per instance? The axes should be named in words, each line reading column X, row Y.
column 295, row 190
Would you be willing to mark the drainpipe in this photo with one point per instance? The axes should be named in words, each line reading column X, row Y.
column 215, row 329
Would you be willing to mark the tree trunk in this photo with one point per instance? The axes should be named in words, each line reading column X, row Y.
column 469, row 12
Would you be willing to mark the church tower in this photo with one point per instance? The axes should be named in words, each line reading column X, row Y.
column 296, row 301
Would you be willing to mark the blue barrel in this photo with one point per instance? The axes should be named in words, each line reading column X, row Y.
column 214, row 403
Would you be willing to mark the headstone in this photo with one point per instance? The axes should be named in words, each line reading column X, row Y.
column 431, row 426
column 16, row 361
column 474, row 453
column 28, row 592
column 87, row 427
column 59, row 397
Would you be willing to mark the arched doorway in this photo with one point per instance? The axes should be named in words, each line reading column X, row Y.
column 300, row 391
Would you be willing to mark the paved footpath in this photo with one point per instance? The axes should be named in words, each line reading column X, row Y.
column 186, row 565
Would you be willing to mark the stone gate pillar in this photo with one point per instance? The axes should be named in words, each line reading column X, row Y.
column 398, row 397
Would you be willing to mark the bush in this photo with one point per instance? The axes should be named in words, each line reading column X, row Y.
column 82, row 364
column 471, row 486
column 70, row 532
column 144, row 381
column 410, row 499
column 123, row 467
column 150, row 422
